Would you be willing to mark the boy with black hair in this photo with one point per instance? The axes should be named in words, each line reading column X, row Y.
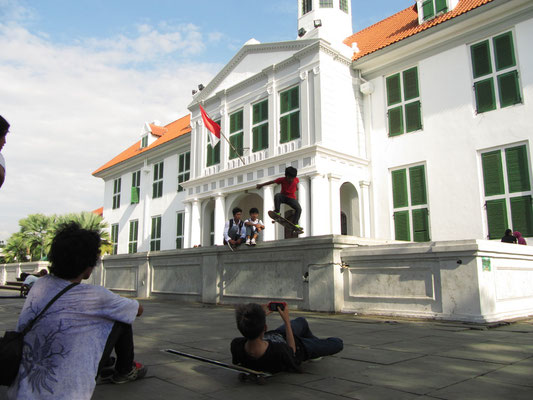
column 72, row 341
column 289, row 186
column 282, row 349
column 254, row 227
column 234, row 230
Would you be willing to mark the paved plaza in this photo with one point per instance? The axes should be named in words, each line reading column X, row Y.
column 382, row 358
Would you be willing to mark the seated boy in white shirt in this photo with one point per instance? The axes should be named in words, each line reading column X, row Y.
column 254, row 226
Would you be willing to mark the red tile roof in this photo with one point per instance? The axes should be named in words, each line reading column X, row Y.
column 99, row 211
column 401, row 26
column 171, row 131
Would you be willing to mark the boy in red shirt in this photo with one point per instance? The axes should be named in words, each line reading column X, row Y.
column 289, row 186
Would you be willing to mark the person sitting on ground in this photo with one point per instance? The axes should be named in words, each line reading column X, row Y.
column 72, row 341
column 282, row 349
column 4, row 129
column 31, row 279
column 508, row 237
column 289, row 186
column 254, row 227
column 234, row 231
column 519, row 238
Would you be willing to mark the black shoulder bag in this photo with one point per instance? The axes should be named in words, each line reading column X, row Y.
column 12, row 342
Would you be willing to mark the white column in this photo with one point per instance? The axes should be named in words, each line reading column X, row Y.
column 220, row 218
column 335, row 203
column 196, row 227
column 187, row 226
column 268, row 204
column 364, row 208
column 304, row 200
column 320, row 207
column 304, row 108
column 146, row 198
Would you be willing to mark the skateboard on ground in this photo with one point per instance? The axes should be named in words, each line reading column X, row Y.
column 285, row 222
column 245, row 374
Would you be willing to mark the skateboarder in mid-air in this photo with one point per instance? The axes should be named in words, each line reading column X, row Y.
column 289, row 186
column 282, row 349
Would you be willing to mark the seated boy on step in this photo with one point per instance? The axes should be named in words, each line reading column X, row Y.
column 282, row 349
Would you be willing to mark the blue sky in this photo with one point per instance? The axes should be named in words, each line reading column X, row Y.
column 78, row 79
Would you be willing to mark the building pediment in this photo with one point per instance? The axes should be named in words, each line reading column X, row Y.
column 251, row 59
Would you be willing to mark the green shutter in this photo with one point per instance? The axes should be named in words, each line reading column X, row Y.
column 504, row 51
column 428, row 9
column 294, row 130
column 517, row 169
column 284, row 129
column 509, row 89
column 497, row 218
column 237, row 142
column 260, row 112
column 396, row 121
column 521, row 215
column 394, row 93
column 417, row 183
column 420, row 225
column 294, row 98
column 179, row 230
column 441, row 6
column 289, row 100
column 236, row 122
column 399, row 188
column 401, row 226
column 413, row 117
column 492, row 173
column 410, row 84
column 485, row 99
column 481, row 62
column 135, row 195
column 260, row 137
column 187, row 161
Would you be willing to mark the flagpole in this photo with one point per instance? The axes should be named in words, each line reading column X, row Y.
column 233, row 147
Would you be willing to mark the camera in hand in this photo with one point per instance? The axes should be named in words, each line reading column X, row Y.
column 273, row 305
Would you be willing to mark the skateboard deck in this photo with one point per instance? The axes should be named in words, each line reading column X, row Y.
column 258, row 377
column 284, row 222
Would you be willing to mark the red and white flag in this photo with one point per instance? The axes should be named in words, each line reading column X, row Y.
column 211, row 126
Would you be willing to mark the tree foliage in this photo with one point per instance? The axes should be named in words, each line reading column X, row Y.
column 33, row 241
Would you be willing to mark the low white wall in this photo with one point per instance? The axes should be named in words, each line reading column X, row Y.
column 10, row 272
column 468, row 280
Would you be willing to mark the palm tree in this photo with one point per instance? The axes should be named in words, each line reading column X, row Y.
column 90, row 221
column 35, row 228
column 16, row 249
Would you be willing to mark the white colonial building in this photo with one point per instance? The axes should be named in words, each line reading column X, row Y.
column 417, row 128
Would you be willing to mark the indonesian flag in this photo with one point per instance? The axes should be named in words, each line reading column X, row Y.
column 211, row 126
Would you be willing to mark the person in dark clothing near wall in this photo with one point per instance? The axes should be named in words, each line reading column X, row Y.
column 282, row 349
column 508, row 237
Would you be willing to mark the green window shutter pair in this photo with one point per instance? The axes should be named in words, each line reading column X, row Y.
column 260, row 112
column 420, row 217
column 290, row 100
column 402, row 229
column 517, row 171
column 236, row 122
column 213, row 154
column 412, row 110
column 237, row 144
column 260, row 137
column 289, row 127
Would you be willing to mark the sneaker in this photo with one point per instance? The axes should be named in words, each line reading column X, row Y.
column 315, row 359
column 298, row 227
column 138, row 371
column 252, row 242
column 248, row 242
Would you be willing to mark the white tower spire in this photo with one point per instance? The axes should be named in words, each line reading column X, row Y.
column 330, row 20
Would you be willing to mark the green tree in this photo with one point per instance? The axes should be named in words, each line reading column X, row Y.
column 16, row 249
column 87, row 220
column 35, row 228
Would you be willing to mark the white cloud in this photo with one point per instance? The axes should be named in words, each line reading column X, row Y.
column 73, row 108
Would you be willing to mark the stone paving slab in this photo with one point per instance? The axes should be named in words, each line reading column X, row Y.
column 383, row 358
